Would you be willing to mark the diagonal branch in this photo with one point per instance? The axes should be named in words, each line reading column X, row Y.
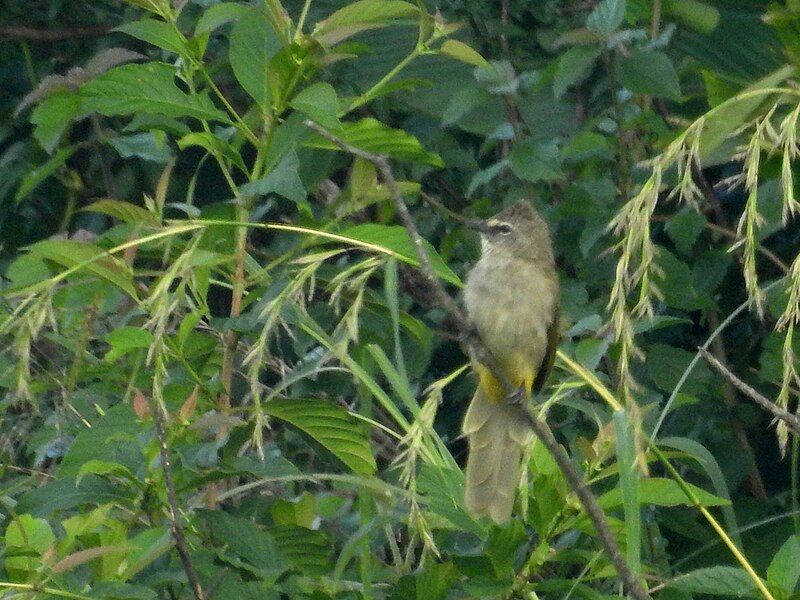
column 792, row 420
column 482, row 354
column 178, row 535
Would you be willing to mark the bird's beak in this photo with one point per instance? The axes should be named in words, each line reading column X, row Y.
column 479, row 225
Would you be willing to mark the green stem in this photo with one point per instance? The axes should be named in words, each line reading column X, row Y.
column 741, row 559
column 375, row 89
column 795, row 467
column 298, row 32
column 32, row 587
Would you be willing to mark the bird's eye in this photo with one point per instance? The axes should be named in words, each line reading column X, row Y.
column 504, row 228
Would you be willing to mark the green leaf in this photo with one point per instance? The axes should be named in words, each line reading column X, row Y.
column 64, row 494
column 700, row 16
column 306, row 550
column 659, row 491
column 435, row 581
column 113, row 438
column 321, row 103
column 218, row 15
column 33, row 178
column 242, row 543
column 253, row 43
column 373, row 136
column 536, row 161
column 34, row 536
column 607, row 17
column 331, row 426
column 573, row 67
column 283, row 179
column 148, row 88
column 53, row 116
column 684, row 228
column 146, row 547
column 103, row 467
column 149, row 145
column 730, row 117
column 460, row 51
column 361, row 16
column 118, row 590
column 157, row 33
column 396, row 239
column 711, row 468
column 648, row 72
column 716, row 581
column 215, row 145
column 629, row 485
column 72, row 253
column 124, row 339
column 126, row 212
column 784, row 570
column 666, row 364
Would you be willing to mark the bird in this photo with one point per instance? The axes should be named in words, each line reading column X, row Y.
column 512, row 303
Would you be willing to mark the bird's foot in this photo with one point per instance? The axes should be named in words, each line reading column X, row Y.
column 517, row 397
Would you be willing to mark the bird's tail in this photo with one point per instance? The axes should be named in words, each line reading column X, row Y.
column 497, row 433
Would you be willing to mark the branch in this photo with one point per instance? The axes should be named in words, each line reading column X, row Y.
column 481, row 353
column 177, row 526
column 31, row 34
column 792, row 420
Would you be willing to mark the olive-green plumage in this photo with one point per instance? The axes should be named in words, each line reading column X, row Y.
column 511, row 298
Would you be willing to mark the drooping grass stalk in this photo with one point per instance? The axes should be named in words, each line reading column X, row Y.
column 606, row 394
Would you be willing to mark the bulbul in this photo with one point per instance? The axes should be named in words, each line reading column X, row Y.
column 512, row 300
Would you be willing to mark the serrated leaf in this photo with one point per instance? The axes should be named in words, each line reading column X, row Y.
column 253, row 43
column 460, row 51
column 373, row 136
column 157, row 33
column 147, row 88
column 71, row 253
column 331, row 426
column 307, row 550
column 124, row 211
column 361, row 16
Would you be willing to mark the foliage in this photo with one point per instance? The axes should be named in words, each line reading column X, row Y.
column 177, row 240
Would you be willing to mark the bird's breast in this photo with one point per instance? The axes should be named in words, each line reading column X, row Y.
column 511, row 302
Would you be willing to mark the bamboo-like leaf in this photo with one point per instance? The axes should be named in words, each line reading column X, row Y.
column 628, row 479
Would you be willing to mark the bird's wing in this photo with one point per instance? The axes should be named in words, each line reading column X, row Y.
column 550, row 353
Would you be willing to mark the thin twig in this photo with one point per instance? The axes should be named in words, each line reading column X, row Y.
column 792, row 420
column 441, row 207
column 482, row 355
column 172, row 499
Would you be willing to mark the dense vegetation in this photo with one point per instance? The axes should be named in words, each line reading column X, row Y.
column 223, row 375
